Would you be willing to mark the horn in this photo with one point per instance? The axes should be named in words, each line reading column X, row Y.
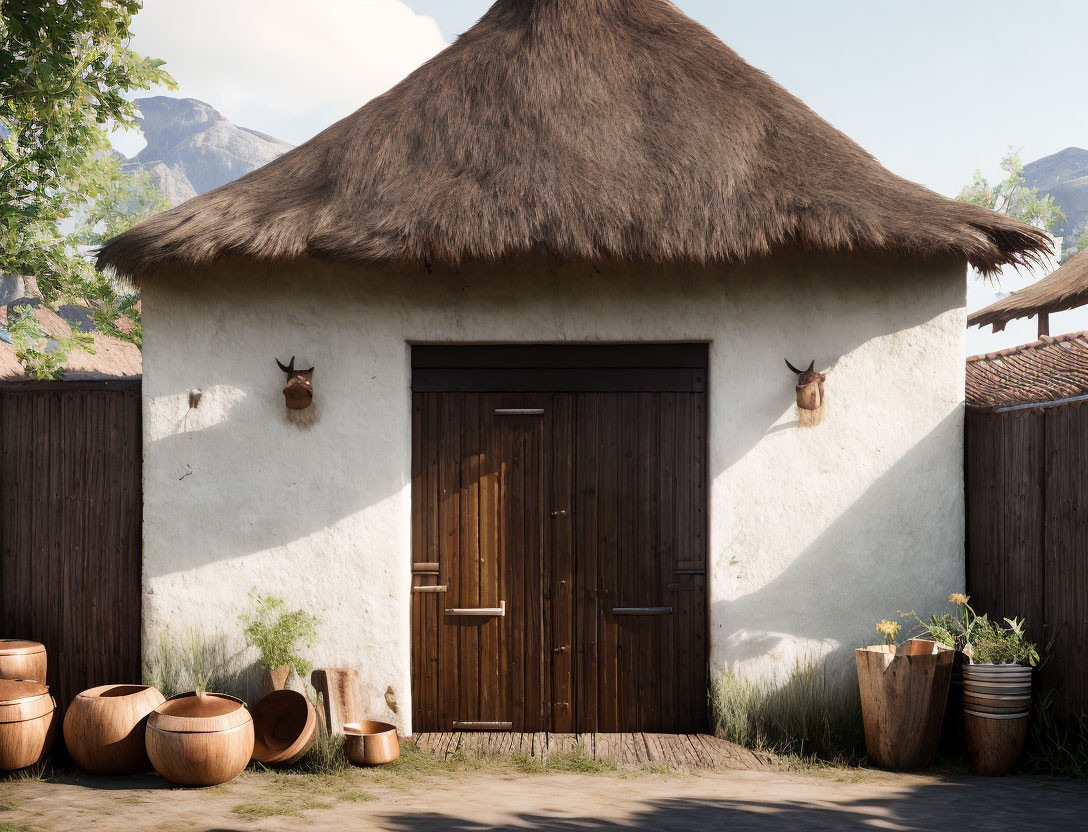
column 794, row 368
column 811, row 366
column 303, row 372
column 288, row 369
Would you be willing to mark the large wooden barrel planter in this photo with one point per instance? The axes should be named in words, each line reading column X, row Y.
column 284, row 727
column 996, row 708
column 22, row 660
column 370, row 743
column 903, row 694
column 104, row 728
column 27, row 723
column 200, row 739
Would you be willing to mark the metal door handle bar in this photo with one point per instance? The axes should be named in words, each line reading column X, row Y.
column 500, row 610
column 642, row 610
column 483, row 726
column 520, row 411
column 428, row 589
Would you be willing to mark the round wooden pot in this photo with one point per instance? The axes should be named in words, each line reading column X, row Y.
column 200, row 739
column 371, row 743
column 995, row 742
column 284, row 727
column 904, row 689
column 104, row 728
column 27, row 723
column 22, row 660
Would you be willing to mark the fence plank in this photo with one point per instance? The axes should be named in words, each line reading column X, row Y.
column 70, row 528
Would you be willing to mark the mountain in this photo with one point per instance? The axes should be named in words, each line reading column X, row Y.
column 192, row 148
column 1064, row 175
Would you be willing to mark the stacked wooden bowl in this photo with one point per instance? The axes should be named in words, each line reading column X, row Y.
column 27, row 724
column 996, row 706
column 200, row 739
column 104, row 728
column 997, row 690
column 21, row 659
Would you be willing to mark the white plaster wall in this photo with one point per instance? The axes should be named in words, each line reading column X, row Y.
column 815, row 533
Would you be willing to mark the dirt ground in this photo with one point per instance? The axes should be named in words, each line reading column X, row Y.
column 484, row 800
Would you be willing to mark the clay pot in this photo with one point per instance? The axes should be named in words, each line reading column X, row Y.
column 995, row 742
column 27, row 723
column 284, row 726
column 274, row 680
column 104, row 728
column 903, row 694
column 200, row 739
column 370, row 743
column 22, row 660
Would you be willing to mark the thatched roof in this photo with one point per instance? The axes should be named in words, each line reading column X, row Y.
column 1064, row 288
column 574, row 128
column 1043, row 372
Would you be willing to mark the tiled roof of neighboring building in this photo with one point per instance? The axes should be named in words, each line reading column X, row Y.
column 1042, row 372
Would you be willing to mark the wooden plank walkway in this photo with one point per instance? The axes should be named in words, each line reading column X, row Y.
column 687, row 752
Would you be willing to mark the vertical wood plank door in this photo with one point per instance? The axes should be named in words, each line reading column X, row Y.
column 559, row 553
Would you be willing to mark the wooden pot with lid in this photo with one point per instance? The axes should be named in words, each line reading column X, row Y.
column 27, row 723
column 21, row 659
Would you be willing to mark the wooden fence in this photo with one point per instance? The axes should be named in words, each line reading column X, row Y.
column 1027, row 530
column 70, row 527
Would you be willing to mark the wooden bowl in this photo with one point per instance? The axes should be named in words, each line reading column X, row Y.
column 104, row 728
column 27, row 723
column 370, row 743
column 284, row 726
column 22, row 660
column 200, row 739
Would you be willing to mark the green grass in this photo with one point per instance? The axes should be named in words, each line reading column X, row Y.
column 8, row 804
column 255, row 811
column 197, row 661
column 810, row 719
column 579, row 761
column 1057, row 740
column 15, row 827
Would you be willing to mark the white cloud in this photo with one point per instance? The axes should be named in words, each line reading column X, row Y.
column 283, row 67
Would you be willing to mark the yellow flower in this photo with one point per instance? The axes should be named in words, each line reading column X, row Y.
column 889, row 628
column 957, row 598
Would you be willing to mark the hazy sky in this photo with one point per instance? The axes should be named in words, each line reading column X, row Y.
column 933, row 88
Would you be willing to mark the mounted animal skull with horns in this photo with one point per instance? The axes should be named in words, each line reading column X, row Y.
column 810, row 394
column 299, row 391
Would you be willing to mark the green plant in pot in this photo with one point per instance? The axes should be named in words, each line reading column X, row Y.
column 996, row 682
column 279, row 634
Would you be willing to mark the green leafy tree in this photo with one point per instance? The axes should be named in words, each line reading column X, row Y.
column 65, row 70
column 1013, row 197
column 128, row 196
column 41, row 355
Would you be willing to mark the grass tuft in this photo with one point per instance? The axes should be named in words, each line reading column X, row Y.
column 1057, row 739
column 579, row 761
column 810, row 719
column 195, row 661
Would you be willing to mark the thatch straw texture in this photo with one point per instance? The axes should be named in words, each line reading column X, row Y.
column 1064, row 288
column 576, row 129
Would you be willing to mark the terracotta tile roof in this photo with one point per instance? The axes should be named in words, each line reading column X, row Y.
column 1041, row 372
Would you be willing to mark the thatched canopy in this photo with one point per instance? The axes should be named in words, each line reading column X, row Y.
column 1064, row 288
column 574, row 128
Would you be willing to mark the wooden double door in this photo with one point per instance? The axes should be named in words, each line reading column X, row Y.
column 559, row 556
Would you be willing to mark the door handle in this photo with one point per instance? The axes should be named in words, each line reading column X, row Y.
column 499, row 611
column 519, row 411
column 642, row 610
